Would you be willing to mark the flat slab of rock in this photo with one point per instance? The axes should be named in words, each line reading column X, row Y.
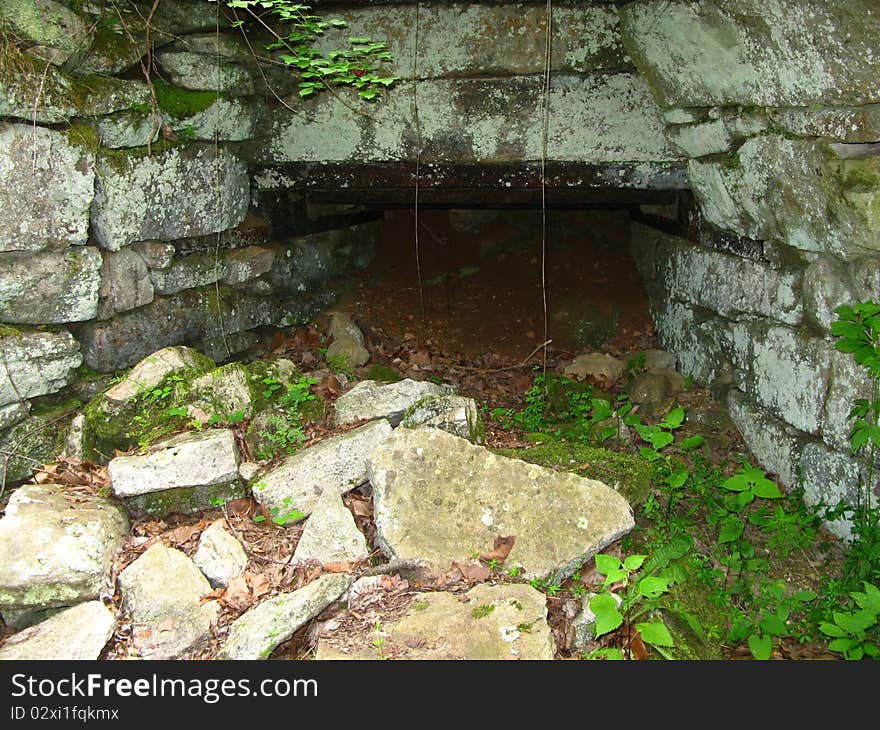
column 453, row 413
column 161, row 593
column 256, row 633
column 438, row 497
column 56, row 546
column 184, row 462
column 337, row 463
column 507, row 621
column 79, row 632
column 331, row 534
column 371, row 399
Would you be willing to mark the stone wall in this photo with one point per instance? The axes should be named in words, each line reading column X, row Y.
column 776, row 105
column 127, row 220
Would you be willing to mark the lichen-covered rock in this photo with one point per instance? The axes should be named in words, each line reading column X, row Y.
column 57, row 546
column 162, row 594
column 794, row 191
column 34, row 441
column 156, row 254
column 226, row 119
column 256, row 633
column 125, row 283
column 50, row 288
column 829, row 477
column 826, row 286
column 48, row 189
column 245, row 264
column 371, row 399
column 337, row 463
column 55, row 30
column 220, row 555
column 37, row 363
column 183, row 191
column 331, row 534
column 181, row 465
column 755, row 52
column 153, row 369
column 76, row 633
column 726, row 284
column 188, row 272
column 348, row 341
column 202, row 72
column 441, row 498
column 783, row 371
column 221, row 393
column 453, row 413
column 129, row 128
column 497, row 623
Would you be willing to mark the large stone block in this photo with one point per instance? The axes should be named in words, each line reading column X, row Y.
column 125, row 282
column 56, row 32
column 784, row 371
column 777, row 53
column 180, row 192
column 48, row 186
column 36, row 363
column 50, row 288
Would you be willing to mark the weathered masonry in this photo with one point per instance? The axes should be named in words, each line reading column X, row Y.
column 206, row 204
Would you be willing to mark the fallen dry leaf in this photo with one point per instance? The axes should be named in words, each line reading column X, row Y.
column 503, row 546
column 339, row 567
column 473, row 571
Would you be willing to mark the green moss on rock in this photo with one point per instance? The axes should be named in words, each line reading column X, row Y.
column 182, row 103
column 184, row 500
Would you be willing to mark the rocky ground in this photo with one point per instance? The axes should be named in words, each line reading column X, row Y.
column 298, row 539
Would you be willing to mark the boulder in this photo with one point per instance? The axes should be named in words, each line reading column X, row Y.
column 57, row 546
column 348, row 341
column 77, row 633
column 37, row 363
column 153, row 369
column 371, row 399
column 162, row 595
column 441, row 498
column 331, row 534
column 220, row 555
column 453, row 413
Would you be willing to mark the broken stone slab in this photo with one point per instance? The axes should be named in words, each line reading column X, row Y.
column 194, row 468
column 37, row 363
column 153, row 369
column 200, row 72
column 50, row 288
column 48, row 25
column 125, row 283
column 244, row 264
column 48, row 188
column 162, row 595
column 331, row 534
column 256, row 633
column 57, row 546
column 453, row 413
column 129, row 128
column 348, row 340
column 337, row 463
column 220, row 556
column 188, row 272
column 438, row 497
column 181, row 192
column 77, row 633
column 372, row 399
column 500, row 622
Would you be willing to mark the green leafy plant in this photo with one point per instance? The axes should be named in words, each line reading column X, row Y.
column 855, row 633
column 641, row 594
column 354, row 66
column 283, row 514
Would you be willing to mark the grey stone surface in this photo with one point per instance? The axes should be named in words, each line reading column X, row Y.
column 50, row 288
column 220, row 555
column 222, row 392
column 57, row 546
column 849, row 382
column 784, row 371
column 77, row 633
column 152, row 370
column 129, row 128
column 439, row 497
column 348, row 340
column 245, row 264
column 331, row 534
column 188, row 272
column 48, row 189
column 188, row 460
column 125, row 282
column 226, row 119
column 256, row 633
column 840, row 124
column 200, row 72
column 156, row 254
column 702, row 343
column 453, row 413
column 371, row 399
column 47, row 24
column 755, row 52
column 489, row 622
column 180, row 192
column 337, row 463
column 829, row 477
column 162, row 595
column 826, row 286
column 36, row 363
column 776, row 447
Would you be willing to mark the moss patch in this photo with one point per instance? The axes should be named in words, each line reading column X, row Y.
column 628, row 475
column 384, row 374
column 184, row 500
column 182, row 103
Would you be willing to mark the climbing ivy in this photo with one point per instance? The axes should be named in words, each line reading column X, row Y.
column 355, row 66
